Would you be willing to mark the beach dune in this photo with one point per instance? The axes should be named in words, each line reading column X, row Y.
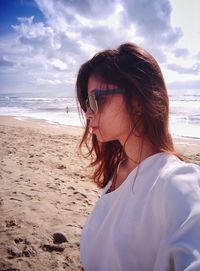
column 46, row 194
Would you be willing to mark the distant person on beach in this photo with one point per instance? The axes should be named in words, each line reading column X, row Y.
column 148, row 217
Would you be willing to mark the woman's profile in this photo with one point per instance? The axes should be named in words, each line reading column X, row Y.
column 148, row 216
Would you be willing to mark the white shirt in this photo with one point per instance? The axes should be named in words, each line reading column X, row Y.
column 149, row 225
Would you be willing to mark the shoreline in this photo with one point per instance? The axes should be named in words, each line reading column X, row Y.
column 41, row 124
column 187, row 145
column 3, row 119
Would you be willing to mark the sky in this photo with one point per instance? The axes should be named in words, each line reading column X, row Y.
column 44, row 42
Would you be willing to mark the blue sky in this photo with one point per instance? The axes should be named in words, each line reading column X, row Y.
column 43, row 42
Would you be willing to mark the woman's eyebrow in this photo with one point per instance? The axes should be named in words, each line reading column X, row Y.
column 96, row 90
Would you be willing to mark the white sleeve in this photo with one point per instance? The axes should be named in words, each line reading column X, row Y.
column 180, row 247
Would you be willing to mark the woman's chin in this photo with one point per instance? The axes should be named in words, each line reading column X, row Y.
column 103, row 140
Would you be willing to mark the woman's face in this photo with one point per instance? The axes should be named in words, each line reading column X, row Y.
column 112, row 121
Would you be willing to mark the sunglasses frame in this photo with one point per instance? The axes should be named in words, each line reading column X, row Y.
column 92, row 99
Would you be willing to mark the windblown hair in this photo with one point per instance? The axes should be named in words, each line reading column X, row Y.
column 131, row 68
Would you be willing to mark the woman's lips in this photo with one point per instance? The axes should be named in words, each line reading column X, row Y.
column 93, row 128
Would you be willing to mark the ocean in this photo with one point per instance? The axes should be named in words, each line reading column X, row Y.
column 184, row 110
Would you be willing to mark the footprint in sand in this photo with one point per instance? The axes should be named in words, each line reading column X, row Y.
column 1, row 202
column 7, row 266
column 71, row 188
column 22, row 248
column 15, row 199
column 79, row 195
column 10, row 223
column 51, row 248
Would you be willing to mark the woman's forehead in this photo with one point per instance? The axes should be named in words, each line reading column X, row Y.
column 95, row 83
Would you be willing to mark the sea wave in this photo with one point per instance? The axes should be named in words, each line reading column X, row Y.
column 184, row 111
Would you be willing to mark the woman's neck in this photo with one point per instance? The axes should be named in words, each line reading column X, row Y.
column 137, row 149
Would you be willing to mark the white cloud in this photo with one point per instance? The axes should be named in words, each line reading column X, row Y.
column 50, row 52
column 152, row 20
column 186, row 14
column 4, row 62
column 59, row 64
column 43, row 81
column 32, row 30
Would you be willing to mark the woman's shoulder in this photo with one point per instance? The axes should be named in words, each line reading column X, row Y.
column 177, row 171
column 180, row 182
column 166, row 169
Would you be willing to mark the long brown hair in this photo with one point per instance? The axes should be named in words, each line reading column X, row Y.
column 131, row 68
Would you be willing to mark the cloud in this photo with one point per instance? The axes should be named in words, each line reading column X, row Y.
column 31, row 30
column 51, row 51
column 5, row 63
column 35, row 35
column 190, row 84
column 89, row 26
column 59, row 64
column 62, row 14
column 195, row 69
column 152, row 19
column 43, row 81
column 181, row 52
column 198, row 55
column 90, row 23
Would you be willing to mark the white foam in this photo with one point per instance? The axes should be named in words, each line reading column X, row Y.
column 184, row 114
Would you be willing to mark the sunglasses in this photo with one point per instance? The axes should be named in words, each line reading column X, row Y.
column 92, row 101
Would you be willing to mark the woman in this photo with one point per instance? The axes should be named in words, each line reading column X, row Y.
column 148, row 217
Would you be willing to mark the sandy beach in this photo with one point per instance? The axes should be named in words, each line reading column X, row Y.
column 46, row 194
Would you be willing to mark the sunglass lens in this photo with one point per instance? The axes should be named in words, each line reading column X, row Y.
column 93, row 104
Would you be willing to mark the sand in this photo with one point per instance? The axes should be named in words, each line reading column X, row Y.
column 46, row 194
column 44, row 189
